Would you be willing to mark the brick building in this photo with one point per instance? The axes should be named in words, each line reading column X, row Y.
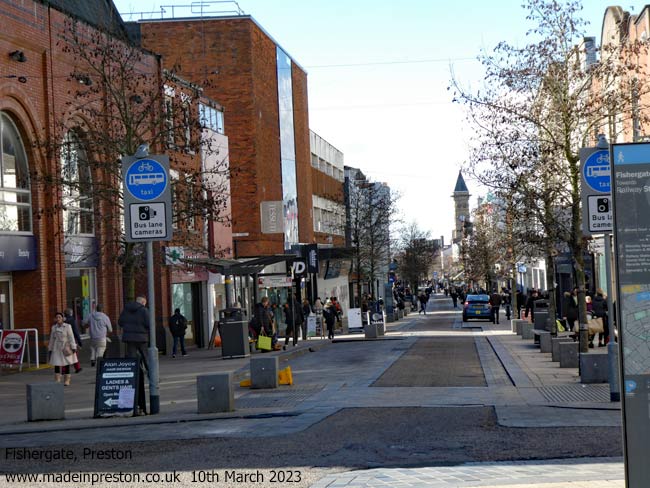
column 60, row 225
column 266, row 118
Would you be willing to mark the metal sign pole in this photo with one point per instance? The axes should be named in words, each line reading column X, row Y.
column 612, row 345
column 154, row 396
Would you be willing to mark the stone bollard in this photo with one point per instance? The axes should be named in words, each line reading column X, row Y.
column 594, row 367
column 516, row 325
column 569, row 355
column 45, row 402
column 545, row 341
column 370, row 331
column 381, row 329
column 555, row 347
column 527, row 331
column 264, row 372
column 215, row 393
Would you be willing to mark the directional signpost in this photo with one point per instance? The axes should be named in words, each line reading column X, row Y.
column 631, row 185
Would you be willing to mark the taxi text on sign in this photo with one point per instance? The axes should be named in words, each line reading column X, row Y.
column 147, row 199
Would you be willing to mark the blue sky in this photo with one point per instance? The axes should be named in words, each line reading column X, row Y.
column 378, row 74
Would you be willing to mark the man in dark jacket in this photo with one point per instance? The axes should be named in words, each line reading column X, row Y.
column 530, row 305
column 178, row 326
column 495, row 303
column 134, row 321
column 294, row 319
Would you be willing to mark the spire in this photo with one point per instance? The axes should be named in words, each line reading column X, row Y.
column 460, row 184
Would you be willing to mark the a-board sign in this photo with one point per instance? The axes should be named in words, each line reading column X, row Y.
column 12, row 346
column 116, row 387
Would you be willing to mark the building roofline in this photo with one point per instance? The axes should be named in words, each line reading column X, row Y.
column 225, row 17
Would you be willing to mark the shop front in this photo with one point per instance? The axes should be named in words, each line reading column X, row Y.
column 80, row 275
column 17, row 254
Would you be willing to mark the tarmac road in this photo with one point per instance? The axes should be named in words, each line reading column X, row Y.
column 350, row 439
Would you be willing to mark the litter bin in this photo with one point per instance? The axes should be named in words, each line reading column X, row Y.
column 234, row 334
column 541, row 315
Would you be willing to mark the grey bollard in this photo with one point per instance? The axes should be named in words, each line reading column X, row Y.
column 555, row 347
column 516, row 325
column 593, row 367
column 45, row 402
column 215, row 393
column 370, row 331
column 569, row 355
column 527, row 331
column 264, row 372
column 545, row 341
column 381, row 329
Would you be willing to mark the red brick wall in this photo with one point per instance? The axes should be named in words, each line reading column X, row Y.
column 246, row 86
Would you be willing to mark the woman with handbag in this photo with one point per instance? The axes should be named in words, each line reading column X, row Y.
column 62, row 348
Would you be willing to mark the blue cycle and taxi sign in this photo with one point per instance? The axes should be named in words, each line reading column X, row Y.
column 147, row 198
column 597, row 217
column 146, row 179
column 597, row 173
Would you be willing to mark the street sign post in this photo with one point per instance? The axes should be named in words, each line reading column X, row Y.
column 147, row 218
column 631, row 191
column 147, row 199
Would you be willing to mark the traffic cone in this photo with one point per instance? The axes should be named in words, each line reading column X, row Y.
column 285, row 377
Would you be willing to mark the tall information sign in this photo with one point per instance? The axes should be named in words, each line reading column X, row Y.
column 147, row 199
column 631, row 191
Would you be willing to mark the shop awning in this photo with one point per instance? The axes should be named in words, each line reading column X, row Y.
column 240, row 267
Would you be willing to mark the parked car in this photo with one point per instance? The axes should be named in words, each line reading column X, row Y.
column 476, row 307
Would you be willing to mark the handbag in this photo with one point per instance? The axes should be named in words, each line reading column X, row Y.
column 596, row 326
column 264, row 343
column 67, row 349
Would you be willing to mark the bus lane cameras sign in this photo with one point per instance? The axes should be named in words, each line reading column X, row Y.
column 147, row 199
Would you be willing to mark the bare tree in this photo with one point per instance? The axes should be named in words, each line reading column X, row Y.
column 548, row 99
column 415, row 255
column 118, row 99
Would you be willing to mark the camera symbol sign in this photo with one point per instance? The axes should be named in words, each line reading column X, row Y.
column 148, row 221
column 600, row 213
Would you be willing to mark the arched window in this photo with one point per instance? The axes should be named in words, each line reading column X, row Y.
column 77, row 188
column 15, row 195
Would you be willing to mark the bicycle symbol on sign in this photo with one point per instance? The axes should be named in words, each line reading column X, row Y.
column 145, row 166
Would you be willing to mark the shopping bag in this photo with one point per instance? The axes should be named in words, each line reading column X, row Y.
column 264, row 343
column 596, row 326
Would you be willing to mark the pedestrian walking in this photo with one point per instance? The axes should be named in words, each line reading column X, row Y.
column 178, row 326
column 69, row 318
column 495, row 303
column 62, row 348
column 600, row 311
column 423, row 303
column 506, row 300
column 570, row 309
column 134, row 321
column 329, row 314
column 454, row 297
column 306, row 312
column 99, row 326
column 293, row 318
column 530, row 305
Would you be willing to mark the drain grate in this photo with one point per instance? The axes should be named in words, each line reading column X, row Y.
column 576, row 393
column 285, row 397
